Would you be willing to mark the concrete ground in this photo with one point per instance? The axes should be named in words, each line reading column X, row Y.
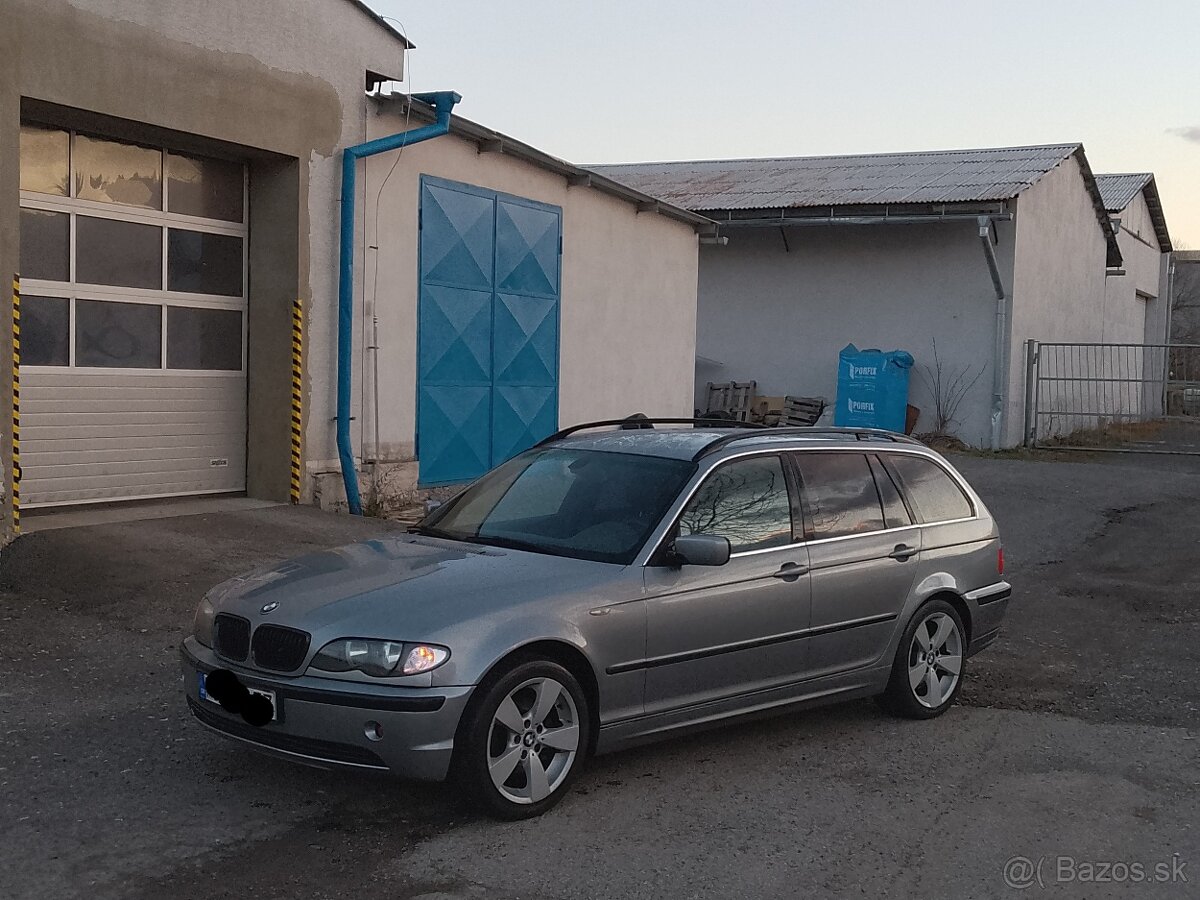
column 1074, row 746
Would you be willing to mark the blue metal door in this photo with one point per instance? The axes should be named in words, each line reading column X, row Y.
column 487, row 328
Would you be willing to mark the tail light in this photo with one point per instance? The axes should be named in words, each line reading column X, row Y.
column 1000, row 560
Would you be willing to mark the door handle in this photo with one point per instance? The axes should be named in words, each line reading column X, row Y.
column 903, row 552
column 790, row 571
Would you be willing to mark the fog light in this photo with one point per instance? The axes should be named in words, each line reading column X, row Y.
column 373, row 731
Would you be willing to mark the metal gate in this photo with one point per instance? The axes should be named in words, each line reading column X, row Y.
column 1130, row 398
column 487, row 328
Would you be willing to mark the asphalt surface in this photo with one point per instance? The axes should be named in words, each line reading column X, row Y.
column 1074, row 744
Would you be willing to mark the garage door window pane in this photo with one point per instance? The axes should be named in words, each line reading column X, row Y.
column 116, row 172
column 198, row 186
column 204, row 338
column 202, row 263
column 45, row 331
column 931, row 491
column 746, row 502
column 126, row 254
column 45, row 245
column 839, row 494
column 45, row 160
column 119, row 335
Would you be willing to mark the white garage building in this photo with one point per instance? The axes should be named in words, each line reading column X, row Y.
column 976, row 250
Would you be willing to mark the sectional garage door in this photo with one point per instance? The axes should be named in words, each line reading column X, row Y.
column 133, row 376
column 488, row 328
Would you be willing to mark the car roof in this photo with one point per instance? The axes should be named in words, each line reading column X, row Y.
column 692, row 443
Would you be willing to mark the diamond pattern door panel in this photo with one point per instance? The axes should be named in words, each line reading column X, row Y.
column 488, row 328
column 527, row 241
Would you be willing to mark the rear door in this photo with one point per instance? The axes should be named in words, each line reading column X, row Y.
column 714, row 632
column 863, row 550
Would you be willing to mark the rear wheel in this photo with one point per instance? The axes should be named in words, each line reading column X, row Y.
column 524, row 740
column 928, row 669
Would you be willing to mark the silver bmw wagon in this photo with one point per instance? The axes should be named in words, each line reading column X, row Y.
column 610, row 586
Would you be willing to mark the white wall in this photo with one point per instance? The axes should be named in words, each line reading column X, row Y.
column 1059, row 291
column 779, row 318
column 628, row 291
column 1134, row 318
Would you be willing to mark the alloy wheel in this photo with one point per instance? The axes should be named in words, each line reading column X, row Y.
column 533, row 740
column 935, row 660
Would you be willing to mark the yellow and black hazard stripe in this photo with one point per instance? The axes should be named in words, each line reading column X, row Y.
column 16, row 405
column 297, row 393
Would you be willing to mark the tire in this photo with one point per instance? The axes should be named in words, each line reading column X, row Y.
column 923, row 650
column 504, row 762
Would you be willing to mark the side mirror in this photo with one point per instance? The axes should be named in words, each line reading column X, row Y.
column 701, row 550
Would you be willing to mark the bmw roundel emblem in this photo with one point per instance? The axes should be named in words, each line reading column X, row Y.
column 270, row 607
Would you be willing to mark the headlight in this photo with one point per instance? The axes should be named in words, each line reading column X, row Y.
column 379, row 658
column 202, row 625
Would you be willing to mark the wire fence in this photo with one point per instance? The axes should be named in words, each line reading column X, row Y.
column 1134, row 397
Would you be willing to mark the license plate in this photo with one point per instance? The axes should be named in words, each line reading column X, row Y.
column 270, row 695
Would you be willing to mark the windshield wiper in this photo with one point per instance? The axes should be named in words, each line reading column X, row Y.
column 507, row 543
column 428, row 531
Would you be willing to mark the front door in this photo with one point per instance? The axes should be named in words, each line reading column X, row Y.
column 487, row 328
column 721, row 631
column 863, row 549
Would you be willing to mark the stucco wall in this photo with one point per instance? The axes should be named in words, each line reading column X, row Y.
column 628, row 301
column 1059, row 282
column 779, row 317
column 284, row 76
column 1130, row 318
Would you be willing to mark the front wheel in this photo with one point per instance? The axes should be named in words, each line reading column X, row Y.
column 927, row 673
column 524, row 740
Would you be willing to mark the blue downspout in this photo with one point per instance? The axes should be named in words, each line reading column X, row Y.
column 443, row 102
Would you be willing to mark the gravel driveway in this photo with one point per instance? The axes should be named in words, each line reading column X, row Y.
column 1074, row 742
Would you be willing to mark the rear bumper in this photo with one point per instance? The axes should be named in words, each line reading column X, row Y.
column 324, row 723
column 988, row 608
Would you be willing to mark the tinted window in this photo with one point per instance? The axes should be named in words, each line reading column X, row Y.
column 198, row 186
column 45, row 331
column 203, row 263
column 839, row 494
column 121, row 335
column 582, row 503
column 45, row 245
column 894, row 512
column 45, row 160
column 126, row 254
column 932, row 493
column 745, row 501
column 204, row 338
column 116, row 172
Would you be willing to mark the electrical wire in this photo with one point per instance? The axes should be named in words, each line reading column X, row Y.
column 375, row 270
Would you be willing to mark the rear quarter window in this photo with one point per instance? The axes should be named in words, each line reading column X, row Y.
column 932, row 493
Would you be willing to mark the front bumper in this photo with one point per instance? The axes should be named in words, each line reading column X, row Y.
column 324, row 722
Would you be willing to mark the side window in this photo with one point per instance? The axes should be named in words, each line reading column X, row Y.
column 745, row 501
column 839, row 494
column 895, row 514
column 931, row 492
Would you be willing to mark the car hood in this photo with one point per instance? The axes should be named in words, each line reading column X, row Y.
column 424, row 584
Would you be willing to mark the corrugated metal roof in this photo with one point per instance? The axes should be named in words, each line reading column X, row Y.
column 943, row 176
column 1118, row 191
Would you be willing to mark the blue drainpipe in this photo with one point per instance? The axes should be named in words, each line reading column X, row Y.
column 443, row 102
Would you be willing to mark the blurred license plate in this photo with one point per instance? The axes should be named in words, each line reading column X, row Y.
column 270, row 695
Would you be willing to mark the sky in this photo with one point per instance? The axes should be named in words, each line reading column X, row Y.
column 627, row 81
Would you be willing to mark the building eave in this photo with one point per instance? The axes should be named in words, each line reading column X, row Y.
column 490, row 141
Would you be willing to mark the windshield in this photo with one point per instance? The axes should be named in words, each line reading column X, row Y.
column 587, row 504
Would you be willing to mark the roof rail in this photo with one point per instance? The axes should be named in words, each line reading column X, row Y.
column 632, row 423
column 859, row 434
